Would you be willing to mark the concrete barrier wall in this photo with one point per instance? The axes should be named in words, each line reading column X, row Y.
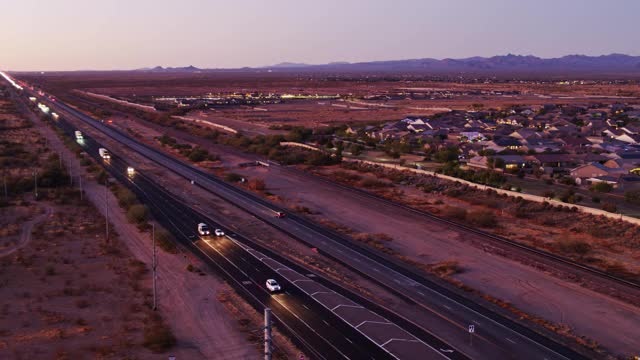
column 291, row 143
column 212, row 124
column 529, row 197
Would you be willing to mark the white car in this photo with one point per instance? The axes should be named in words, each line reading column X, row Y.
column 273, row 285
column 203, row 229
column 219, row 232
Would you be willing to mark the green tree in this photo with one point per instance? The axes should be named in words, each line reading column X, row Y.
column 137, row 213
column 632, row 197
column 602, row 187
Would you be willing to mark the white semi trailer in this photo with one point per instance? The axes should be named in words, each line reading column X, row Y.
column 104, row 153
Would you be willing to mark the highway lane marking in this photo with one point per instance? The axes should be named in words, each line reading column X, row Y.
column 376, row 269
column 349, row 340
column 373, row 322
column 347, row 305
column 321, row 292
column 421, row 293
column 325, row 322
column 511, row 341
column 394, row 339
column 288, row 293
column 447, row 307
column 305, row 306
column 246, row 282
column 305, row 323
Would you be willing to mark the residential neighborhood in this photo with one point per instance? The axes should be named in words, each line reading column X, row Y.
column 578, row 145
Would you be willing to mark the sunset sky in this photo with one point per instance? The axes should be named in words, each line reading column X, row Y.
column 127, row 34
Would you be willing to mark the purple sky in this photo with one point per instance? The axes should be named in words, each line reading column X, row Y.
column 127, row 34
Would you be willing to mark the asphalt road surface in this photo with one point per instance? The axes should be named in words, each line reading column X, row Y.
column 451, row 315
column 326, row 323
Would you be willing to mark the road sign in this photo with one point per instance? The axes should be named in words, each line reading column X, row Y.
column 472, row 329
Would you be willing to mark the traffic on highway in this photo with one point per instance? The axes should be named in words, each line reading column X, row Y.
column 328, row 323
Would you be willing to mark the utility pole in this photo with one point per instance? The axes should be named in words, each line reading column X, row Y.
column 155, row 264
column 106, row 214
column 267, row 334
column 35, row 182
column 4, row 179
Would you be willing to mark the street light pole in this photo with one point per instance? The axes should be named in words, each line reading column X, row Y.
column 35, row 182
column 267, row 334
column 106, row 214
column 154, row 266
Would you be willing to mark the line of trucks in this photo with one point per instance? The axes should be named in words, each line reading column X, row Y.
column 104, row 153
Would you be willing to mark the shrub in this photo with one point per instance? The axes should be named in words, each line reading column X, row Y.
column 137, row 213
column 158, row 337
column 257, row 184
column 573, row 246
column 165, row 240
column 446, row 155
column 482, row 218
column 632, row 197
column 232, row 177
column 198, row 154
column 455, row 212
column 569, row 196
column 446, row 268
column 345, row 176
column 373, row 183
column 102, row 177
column 82, row 303
column 609, row 207
column 567, row 181
column 602, row 187
column 126, row 197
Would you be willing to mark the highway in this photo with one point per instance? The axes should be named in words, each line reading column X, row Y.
column 324, row 319
column 449, row 314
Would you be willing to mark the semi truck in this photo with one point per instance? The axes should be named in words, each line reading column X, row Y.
column 104, row 153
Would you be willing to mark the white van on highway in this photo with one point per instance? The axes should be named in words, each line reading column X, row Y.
column 203, row 229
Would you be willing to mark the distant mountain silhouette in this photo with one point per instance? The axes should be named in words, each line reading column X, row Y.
column 288, row 65
column 495, row 64
column 189, row 68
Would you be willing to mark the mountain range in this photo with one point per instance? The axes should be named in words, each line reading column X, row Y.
column 570, row 64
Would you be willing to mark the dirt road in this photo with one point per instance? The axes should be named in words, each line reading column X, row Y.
column 25, row 232
column 529, row 289
column 203, row 328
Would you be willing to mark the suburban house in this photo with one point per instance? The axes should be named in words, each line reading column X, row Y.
column 593, row 170
column 471, row 136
